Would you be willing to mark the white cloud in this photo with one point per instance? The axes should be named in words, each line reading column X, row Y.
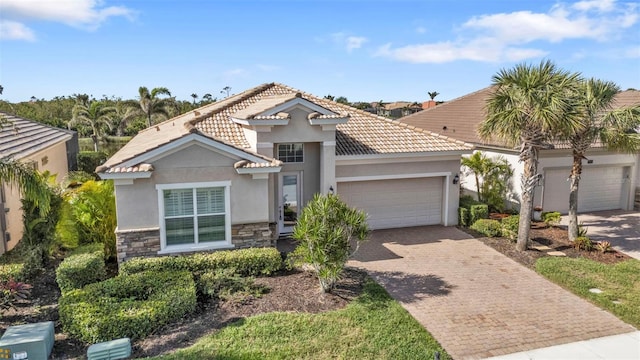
column 349, row 42
column 13, row 30
column 85, row 14
column 504, row 36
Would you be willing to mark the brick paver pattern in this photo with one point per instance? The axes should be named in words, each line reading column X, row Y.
column 475, row 301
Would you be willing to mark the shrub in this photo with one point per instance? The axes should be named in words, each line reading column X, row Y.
column 85, row 266
column 467, row 200
column 551, row 218
column 228, row 285
column 463, row 216
column 603, row 246
column 247, row 262
column 88, row 161
column 583, row 243
column 11, row 292
column 327, row 228
column 509, row 227
column 478, row 212
column 127, row 306
column 11, row 271
column 487, row 227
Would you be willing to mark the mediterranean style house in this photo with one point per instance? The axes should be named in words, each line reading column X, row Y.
column 236, row 173
column 609, row 180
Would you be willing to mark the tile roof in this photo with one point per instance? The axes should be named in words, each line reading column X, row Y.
column 460, row 118
column 130, row 169
column 20, row 137
column 364, row 134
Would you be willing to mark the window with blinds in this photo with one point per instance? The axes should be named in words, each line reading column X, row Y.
column 194, row 216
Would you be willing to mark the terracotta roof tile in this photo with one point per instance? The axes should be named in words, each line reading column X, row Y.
column 460, row 118
column 130, row 169
column 363, row 134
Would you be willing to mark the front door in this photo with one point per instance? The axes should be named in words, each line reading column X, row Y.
column 290, row 200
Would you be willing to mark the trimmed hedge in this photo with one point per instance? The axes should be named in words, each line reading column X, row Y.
column 127, row 306
column 247, row 262
column 463, row 216
column 85, row 266
column 88, row 161
column 487, row 227
column 480, row 211
column 510, row 226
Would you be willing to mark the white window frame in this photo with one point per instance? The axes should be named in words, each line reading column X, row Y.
column 290, row 144
column 168, row 249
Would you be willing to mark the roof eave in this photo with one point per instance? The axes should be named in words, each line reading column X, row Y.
column 259, row 122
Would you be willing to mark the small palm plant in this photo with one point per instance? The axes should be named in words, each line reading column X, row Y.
column 329, row 232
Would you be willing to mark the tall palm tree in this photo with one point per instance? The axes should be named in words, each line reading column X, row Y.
column 529, row 107
column 433, row 94
column 615, row 129
column 124, row 112
column 151, row 104
column 95, row 115
column 195, row 97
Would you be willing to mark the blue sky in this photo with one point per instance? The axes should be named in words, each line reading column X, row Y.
column 364, row 50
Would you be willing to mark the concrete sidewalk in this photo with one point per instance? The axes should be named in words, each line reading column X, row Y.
column 475, row 301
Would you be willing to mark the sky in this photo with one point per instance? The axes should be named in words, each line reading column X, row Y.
column 363, row 50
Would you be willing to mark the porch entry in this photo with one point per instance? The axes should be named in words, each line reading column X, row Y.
column 290, row 195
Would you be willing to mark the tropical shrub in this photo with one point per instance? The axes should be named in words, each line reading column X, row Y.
column 583, row 243
column 478, row 212
column 604, row 246
column 39, row 229
column 509, row 227
column 330, row 232
column 84, row 266
column 463, row 216
column 551, row 218
column 130, row 306
column 11, row 271
column 487, row 227
column 11, row 292
column 492, row 178
column 246, row 262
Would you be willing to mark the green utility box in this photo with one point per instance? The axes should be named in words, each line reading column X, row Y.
column 110, row 350
column 29, row 341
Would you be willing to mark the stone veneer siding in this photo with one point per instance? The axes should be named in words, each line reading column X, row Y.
column 146, row 242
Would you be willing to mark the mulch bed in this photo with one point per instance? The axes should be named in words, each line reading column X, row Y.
column 555, row 237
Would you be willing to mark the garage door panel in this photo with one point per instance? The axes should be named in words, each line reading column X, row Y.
column 396, row 203
column 600, row 189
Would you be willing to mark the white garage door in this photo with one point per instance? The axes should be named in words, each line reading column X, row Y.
column 396, row 203
column 600, row 189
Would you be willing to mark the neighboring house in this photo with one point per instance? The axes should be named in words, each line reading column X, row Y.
column 47, row 149
column 608, row 180
column 395, row 109
column 237, row 173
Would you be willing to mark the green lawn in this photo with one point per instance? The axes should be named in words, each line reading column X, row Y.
column 373, row 326
column 619, row 283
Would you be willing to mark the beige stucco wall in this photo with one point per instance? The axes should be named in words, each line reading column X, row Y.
column 138, row 203
column 54, row 160
column 298, row 130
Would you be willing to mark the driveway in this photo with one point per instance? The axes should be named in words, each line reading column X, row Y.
column 475, row 301
column 621, row 228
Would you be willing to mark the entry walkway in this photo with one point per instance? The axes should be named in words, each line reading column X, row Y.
column 475, row 301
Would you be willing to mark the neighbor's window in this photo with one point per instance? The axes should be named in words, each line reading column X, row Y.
column 291, row 153
column 195, row 215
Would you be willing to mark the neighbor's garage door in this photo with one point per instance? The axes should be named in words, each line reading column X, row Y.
column 600, row 189
column 396, row 203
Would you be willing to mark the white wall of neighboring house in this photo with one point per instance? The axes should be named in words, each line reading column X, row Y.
column 53, row 160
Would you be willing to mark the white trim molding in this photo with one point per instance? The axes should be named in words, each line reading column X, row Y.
column 391, row 176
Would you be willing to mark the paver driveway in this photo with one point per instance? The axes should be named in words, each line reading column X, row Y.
column 475, row 301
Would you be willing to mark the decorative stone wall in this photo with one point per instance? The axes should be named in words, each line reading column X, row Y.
column 146, row 242
column 253, row 235
column 137, row 243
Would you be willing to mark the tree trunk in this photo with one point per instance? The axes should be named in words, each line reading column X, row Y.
column 478, row 187
column 529, row 181
column 576, row 170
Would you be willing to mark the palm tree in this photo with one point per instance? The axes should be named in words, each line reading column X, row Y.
column 225, row 90
column 477, row 164
column 124, row 112
column 29, row 182
column 151, row 104
column 194, row 96
column 96, row 115
column 433, row 94
column 615, row 129
column 529, row 107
